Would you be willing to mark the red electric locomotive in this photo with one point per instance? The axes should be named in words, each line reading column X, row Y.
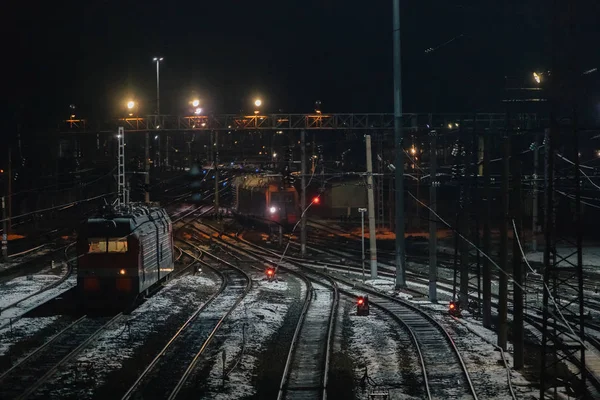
column 122, row 253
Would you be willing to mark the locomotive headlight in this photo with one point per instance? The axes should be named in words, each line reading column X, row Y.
column 122, row 272
column 272, row 210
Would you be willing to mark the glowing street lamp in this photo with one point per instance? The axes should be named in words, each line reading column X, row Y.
column 195, row 103
column 198, row 111
column 258, row 102
column 131, row 106
column 537, row 77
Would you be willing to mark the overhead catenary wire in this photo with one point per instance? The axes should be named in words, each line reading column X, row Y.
column 58, row 207
column 465, row 239
column 545, row 286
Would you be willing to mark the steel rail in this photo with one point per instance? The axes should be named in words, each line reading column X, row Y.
column 177, row 334
column 67, row 358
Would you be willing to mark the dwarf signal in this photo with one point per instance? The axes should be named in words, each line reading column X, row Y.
column 362, row 305
column 454, row 308
column 270, row 273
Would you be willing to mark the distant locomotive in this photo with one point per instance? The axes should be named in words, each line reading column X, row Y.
column 267, row 198
column 123, row 253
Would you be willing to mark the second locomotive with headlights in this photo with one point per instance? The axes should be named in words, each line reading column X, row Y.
column 266, row 197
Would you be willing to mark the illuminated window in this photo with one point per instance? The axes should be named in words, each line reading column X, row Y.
column 97, row 245
column 117, row 246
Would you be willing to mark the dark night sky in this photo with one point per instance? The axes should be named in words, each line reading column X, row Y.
column 289, row 52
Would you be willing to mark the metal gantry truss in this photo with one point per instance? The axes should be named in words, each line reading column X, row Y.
column 563, row 322
column 121, row 166
column 336, row 121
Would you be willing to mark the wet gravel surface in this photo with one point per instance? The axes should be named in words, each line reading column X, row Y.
column 381, row 354
column 254, row 340
column 107, row 367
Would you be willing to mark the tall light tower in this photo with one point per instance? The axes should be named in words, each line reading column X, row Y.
column 157, row 60
column 398, row 139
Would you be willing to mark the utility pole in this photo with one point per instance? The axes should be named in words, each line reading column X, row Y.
column 216, row 162
column 147, row 168
column 433, row 218
column 362, row 212
column 9, row 200
column 517, row 264
column 399, row 163
column 534, row 194
column 303, row 194
column 4, row 232
column 503, row 280
column 371, row 205
column 487, row 240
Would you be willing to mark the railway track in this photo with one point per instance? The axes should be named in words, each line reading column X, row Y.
column 307, row 366
column 445, row 373
column 306, row 370
column 39, row 292
column 533, row 319
column 168, row 372
column 25, row 377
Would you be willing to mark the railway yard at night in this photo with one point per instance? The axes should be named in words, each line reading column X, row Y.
column 301, row 201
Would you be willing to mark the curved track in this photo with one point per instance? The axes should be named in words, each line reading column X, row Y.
column 446, row 374
column 44, row 289
column 306, row 369
column 168, row 372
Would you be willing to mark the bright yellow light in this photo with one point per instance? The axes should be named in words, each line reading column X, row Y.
column 537, row 77
column 130, row 104
column 449, row 126
column 122, row 272
column 413, row 150
column 195, row 103
column 258, row 102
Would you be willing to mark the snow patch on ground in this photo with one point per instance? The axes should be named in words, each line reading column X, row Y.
column 388, row 286
column 119, row 343
column 256, row 319
column 373, row 347
column 22, row 288
column 23, row 328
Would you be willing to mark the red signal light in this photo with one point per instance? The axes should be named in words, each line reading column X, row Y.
column 360, row 301
column 452, row 306
column 270, row 271
column 316, row 200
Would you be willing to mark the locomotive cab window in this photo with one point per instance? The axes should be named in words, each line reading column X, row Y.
column 102, row 245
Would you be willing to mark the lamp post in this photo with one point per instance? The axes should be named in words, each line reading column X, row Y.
column 157, row 60
column 362, row 212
